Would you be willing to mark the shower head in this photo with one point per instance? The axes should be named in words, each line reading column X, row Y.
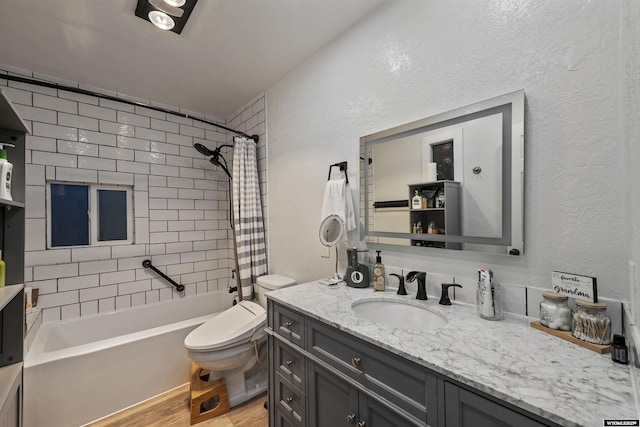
column 216, row 162
column 202, row 149
column 215, row 156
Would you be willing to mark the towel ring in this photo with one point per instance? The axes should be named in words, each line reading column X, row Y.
column 343, row 168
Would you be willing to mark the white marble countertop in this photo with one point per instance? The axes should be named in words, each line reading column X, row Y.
column 508, row 359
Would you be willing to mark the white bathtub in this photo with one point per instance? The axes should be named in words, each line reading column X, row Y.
column 80, row 370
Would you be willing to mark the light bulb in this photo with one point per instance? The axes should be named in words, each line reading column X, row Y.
column 175, row 3
column 161, row 20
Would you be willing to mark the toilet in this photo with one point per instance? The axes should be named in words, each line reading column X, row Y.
column 232, row 344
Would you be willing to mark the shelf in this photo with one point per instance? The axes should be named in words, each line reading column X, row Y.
column 7, row 293
column 9, row 118
column 8, row 204
column 427, row 210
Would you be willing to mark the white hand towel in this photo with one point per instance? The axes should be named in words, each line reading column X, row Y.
column 338, row 201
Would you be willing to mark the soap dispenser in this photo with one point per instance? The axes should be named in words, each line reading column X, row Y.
column 6, row 169
column 378, row 274
column 416, row 201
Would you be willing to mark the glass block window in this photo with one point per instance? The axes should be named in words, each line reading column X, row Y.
column 89, row 214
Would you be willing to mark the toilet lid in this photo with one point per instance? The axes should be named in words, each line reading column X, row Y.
column 233, row 325
column 274, row 281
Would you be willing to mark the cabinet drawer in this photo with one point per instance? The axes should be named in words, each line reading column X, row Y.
column 398, row 380
column 289, row 364
column 283, row 421
column 289, row 400
column 288, row 324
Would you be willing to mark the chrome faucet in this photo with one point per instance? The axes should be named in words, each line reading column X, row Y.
column 422, row 283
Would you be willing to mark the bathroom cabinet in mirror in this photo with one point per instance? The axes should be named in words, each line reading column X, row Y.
column 478, row 150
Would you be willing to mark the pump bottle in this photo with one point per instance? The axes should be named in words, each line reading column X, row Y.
column 6, row 169
column 3, row 270
column 378, row 274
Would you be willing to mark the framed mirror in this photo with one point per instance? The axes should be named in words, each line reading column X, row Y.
column 453, row 181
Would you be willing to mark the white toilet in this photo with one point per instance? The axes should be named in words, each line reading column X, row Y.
column 231, row 345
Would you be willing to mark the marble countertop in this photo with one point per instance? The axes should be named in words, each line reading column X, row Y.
column 508, row 359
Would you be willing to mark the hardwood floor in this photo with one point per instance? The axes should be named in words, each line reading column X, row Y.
column 172, row 409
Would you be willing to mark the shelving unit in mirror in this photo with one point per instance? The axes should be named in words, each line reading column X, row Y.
column 438, row 214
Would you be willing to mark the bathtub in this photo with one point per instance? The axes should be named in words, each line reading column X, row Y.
column 80, row 370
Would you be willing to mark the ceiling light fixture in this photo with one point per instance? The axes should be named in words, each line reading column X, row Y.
column 161, row 20
column 169, row 15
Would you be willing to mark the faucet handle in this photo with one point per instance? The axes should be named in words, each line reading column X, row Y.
column 444, row 297
column 401, row 288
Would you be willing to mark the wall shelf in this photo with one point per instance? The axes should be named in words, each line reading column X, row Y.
column 9, row 118
column 8, row 204
column 7, row 293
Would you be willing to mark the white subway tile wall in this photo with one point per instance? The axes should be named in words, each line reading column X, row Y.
column 181, row 205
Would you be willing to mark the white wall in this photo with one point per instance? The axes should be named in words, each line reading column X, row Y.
column 180, row 199
column 415, row 58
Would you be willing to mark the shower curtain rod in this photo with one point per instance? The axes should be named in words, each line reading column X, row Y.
column 28, row 80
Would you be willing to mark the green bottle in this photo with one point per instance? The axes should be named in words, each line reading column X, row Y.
column 3, row 271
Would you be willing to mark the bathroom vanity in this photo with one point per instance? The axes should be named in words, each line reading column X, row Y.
column 329, row 367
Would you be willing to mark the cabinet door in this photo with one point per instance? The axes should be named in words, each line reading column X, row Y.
column 332, row 401
column 466, row 409
column 372, row 413
column 11, row 408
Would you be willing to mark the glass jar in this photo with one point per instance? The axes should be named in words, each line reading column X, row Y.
column 591, row 323
column 555, row 312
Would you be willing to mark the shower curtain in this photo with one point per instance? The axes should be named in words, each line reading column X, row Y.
column 248, row 223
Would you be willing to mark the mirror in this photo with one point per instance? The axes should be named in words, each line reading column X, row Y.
column 450, row 181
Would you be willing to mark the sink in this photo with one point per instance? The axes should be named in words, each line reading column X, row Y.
column 399, row 314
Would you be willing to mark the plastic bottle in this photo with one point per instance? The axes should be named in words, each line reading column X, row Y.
column 6, row 170
column 378, row 274
column 3, row 270
column 416, row 202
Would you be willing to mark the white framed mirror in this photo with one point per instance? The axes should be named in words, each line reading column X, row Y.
column 452, row 181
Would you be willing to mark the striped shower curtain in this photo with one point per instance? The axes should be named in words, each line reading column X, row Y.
column 248, row 223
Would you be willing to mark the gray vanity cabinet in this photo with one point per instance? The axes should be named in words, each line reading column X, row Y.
column 320, row 376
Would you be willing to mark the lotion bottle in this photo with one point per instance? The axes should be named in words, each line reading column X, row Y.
column 6, row 169
column 416, row 201
column 378, row 274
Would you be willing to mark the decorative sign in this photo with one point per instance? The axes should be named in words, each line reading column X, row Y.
column 575, row 286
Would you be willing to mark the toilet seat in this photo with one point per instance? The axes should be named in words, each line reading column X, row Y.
column 234, row 325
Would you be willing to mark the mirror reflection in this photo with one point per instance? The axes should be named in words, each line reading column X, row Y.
column 451, row 181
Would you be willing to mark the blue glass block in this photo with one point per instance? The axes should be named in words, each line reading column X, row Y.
column 69, row 215
column 112, row 215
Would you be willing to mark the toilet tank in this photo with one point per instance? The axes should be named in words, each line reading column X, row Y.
column 271, row 282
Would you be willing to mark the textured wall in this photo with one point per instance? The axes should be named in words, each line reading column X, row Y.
column 412, row 59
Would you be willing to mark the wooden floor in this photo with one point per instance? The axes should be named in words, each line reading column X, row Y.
column 172, row 409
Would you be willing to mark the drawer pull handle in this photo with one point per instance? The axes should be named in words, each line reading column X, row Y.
column 287, row 325
column 351, row 418
column 288, row 363
column 362, row 423
column 288, row 399
column 355, row 362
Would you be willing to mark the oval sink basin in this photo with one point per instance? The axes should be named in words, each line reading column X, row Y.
column 398, row 314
